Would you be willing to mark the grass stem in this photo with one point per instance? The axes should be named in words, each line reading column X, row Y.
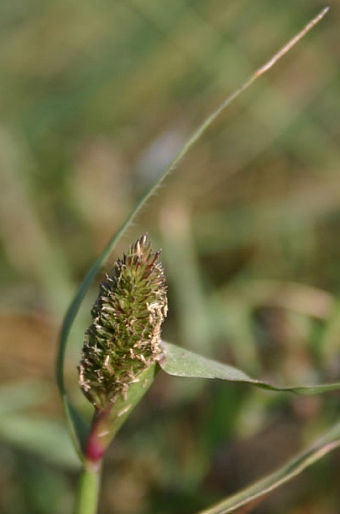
column 88, row 490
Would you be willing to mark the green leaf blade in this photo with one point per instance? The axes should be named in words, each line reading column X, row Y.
column 179, row 362
column 327, row 443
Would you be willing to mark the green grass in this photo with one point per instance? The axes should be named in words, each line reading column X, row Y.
column 86, row 92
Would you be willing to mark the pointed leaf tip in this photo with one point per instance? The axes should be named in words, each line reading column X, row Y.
column 179, row 362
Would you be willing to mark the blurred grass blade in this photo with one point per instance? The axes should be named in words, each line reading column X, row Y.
column 76, row 429
column 17, row 397
column 184, row 363
column 328, row 442
column 41, row 436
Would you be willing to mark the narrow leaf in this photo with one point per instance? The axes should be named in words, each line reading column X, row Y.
column 179, row 362
column 328, row 442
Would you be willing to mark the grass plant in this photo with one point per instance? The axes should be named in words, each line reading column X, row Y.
column 97, row 98
column 134, row 370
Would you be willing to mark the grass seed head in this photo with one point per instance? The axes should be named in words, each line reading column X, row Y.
column 124, row 336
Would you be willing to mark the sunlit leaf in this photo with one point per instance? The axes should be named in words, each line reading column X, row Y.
column 184, row 363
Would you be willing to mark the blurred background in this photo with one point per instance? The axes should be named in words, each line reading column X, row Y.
column 96, row 98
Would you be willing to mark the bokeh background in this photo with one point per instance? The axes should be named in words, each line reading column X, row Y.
column 96, row 97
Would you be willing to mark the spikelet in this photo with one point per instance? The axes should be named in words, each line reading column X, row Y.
column 124, row 337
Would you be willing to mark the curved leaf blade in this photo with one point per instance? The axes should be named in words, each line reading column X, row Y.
column 327, row 443
column 179, row 362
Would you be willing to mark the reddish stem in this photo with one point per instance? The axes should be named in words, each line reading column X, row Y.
column 99, row 437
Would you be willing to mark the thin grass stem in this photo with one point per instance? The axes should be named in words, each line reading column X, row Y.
column 88, row 491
